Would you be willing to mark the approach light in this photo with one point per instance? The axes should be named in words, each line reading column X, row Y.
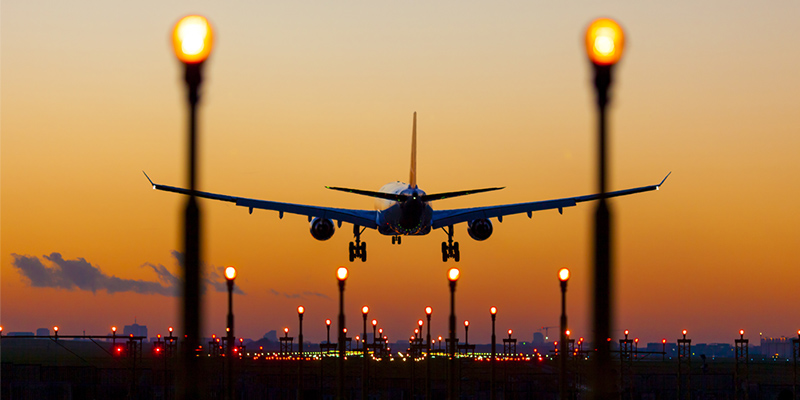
column 285, row 330
column 428, row 310
column 605, row 42
column 493, row 310
column 364, row 310
column 113, row 329
column 684, row 332
column 192, row 39
column 453, row 274
column 341, row 273
column 55, row 328
column 230, row 273
column 466, row 322
column 170, row 329
column 626, row 332
column 568, row 332
column 741, row 332
column 328, row 322
column 663, row 341
column 374, row 322
column 420, row 323
column 510, row 331
column 563, row 275
column 301, row 310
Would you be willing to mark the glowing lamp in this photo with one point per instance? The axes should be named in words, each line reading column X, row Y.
column 563, row 275
column 341, row 273
column 364, row 310
column 510, row 331
column 55, row 328
column 374, row 322
column 605, row 41
column 428, row 310
column 440, row 338
column 636, row 340
column 328, row 322
column 192, row 39
column 301, row 310
column 493, row 310
column 453, row 274
column 741, row 332
column 285, row 330
column 343, row 330
column 626, row 332
column 113, row 329
column 684, row 332
column 416, row 331
column 158, row 336
column 170, row 329
column 420, row 323
column 568, row 332
column 663, row 341
column 230, row 273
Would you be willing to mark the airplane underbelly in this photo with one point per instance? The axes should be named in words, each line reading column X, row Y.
column 389, row 223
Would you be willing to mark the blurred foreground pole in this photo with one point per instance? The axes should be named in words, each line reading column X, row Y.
column 604, row 45
column 192, row 42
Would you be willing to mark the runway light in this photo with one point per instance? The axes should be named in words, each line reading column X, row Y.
column 170, row 329
column 113, row 329
column 55, row 328
column 663, row 341
column 428, row 310
column 230, row 273
column 374, row 322
column 341, row 273
column 605, row 41
column 568, row 332
column 420, row 323
column 301, row 310
column 493, row 310
column 328, row 322
column 364, row 310
column 626, row 332
column 192, row 39
column 563, row 275
column 684, row 332
column 453, row 274
column 741, row 332
column 510, row 331
column 466, row 323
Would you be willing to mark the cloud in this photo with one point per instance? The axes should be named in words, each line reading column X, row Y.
column 81, row 274
column 304, row 295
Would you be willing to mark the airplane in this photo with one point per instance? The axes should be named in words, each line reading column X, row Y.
column 403, row 209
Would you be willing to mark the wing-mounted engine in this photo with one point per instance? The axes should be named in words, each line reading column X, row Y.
column 322, row 228
column 480, row 229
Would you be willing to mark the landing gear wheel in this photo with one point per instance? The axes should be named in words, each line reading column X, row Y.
column 456, row 253
column 363, row 251
column 398, row 239
column 394, row 239
column 352, row 251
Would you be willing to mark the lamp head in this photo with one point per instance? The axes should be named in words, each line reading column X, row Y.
column 567, row 332
column 170, row 329
column 113, row 329
column 466, row 322
column 55, row 328
column 428, row 310
column 301, row 310
column 453, row 274
column 510, row 331
column 563, row 275
column 364, row 310
column 374, row 322
column 493, row 310
column 341, row 273
column 741, row 332
column 285, row 330
column 328, row 322
column 605, row 42
column 684, row 332
column 663, row 341
column 626, row 332
column 230, row 273
column 192, row 39
column 420, row 322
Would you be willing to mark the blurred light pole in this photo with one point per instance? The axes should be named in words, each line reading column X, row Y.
column 663, row 349
column 192, row 41
column 604, row 46
column 230, row 275
column 493, row 311
column 113, row 336
column 364, row 365
column 452, row 276
column 428, row 311
column 328, row 327
column 563, row 277
column 300, row 311
column 55, row 329
column 466, row 331
column 341, row 275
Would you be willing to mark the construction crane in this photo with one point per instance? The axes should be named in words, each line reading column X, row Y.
column 546, row 330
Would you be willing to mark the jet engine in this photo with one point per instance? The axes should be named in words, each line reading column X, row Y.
column 480, row 229
column 322, row 228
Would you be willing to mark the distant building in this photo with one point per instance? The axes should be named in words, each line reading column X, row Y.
column 20, row 334
column 780, row 347
column 135, row 330
column 538, row 339
column 43, row 332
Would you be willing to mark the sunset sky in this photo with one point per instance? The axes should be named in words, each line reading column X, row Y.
column 300, row 95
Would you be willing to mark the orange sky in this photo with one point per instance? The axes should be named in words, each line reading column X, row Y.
column 299, row 96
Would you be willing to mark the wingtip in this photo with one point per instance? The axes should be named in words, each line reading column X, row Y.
column 148, row 178
column 664, row 180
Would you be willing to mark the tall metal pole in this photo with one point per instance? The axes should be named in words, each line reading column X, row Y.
column 493, row 310
column 364, row 364
column 562, row 357
column 428, row 312
column 230, row 339
column 340, row 362
column 452, row 395
column 300, row 311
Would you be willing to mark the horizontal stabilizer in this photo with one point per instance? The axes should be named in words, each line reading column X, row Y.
column 448, row 195
column 380, row 195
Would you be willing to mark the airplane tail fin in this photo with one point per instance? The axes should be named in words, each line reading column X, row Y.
column 412, row 180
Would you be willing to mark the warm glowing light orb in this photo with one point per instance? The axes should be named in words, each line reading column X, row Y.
column 741, row 332
column 563, row 275
column 341, row 273
column 568, row 332
column 428, row 310
column 328, row 322
column 364, row 310
column 55, row 328
column 170, row 329
column 301, row 310
column 285, row 330
column 466, row 323
column 510, row 332
column 605, row 41
column 374, row 322
column 684, row 332
column 192, row 39
column 626, row 332
column 663, row 341
column 113, row 329
column 420, row 323
column 493, row 310
column 230, row 273
column 453, row 274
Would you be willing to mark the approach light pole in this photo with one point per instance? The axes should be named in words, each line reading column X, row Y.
column 493, row 311
column 341, row 275
column 452, row 276
column 563, row 277
column 604, row 45
column 428, row 312
column 192, row 40
column 230, row 275
column 364, row 365
column 300, row 311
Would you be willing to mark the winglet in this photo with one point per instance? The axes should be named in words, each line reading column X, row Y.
column 148, row 178
column 665, row 179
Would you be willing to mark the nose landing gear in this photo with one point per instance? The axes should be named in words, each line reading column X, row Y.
column 359, row 248
column 450, row 248
column 396, row 239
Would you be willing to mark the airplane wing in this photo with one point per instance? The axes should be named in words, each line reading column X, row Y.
column 442, row 218
column 365, row 218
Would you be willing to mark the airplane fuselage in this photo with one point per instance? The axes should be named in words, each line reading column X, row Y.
column 409, row 218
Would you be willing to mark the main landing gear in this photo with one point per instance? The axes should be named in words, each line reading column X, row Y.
column 396, row 239
column 450, row 248
column 359, row 248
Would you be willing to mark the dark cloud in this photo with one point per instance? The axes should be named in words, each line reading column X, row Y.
column 80, row 274
column 304, row 295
